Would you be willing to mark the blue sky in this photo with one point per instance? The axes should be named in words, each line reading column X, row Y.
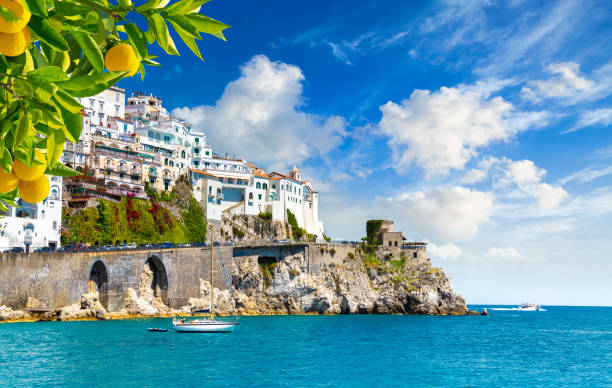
column 481, row 127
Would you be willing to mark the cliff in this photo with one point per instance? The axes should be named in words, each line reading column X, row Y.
column 368, row 280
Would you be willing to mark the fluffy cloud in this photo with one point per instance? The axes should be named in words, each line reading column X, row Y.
column 446, row 251
column 263, row 112
column 567, row 82
column 444, row 213
column 528, row 177
column 509, row 253
column 443, row 130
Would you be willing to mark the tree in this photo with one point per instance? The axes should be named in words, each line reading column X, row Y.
column 52, row 52
column 195, row 222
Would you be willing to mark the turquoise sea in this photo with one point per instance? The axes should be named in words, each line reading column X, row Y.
column 564, row 346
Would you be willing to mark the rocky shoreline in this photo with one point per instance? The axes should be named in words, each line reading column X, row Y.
column 368, row 282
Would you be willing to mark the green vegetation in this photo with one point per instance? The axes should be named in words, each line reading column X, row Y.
column 194, row 220
column 372, row 262
column 296, row 231
column 265, row 216
column 310, row 237
column 266, row 266
column 322, row 250
column 326, row 238
column 372, row 231
column 238, row 232
column 293, row 273
column 332, row 251
column 134, row 220
column 351, row 255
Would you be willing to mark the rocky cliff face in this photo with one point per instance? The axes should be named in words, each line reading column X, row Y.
column 382, row 283
column 372, row 282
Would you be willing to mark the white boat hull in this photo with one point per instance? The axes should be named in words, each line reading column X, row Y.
column 205, row 327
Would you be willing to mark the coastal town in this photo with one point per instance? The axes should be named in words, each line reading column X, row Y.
column 131, row 144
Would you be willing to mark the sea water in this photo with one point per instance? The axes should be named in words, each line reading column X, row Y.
column 563, row 346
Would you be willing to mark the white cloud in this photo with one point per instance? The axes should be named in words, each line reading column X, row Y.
column 602, row 116
column 339, row 53
column 474, row 176
column 567, row 82
column 509, row 253
column 443, row 130
column 444, row 213
column 528, row 177
column 586, row 175
column 263, row 112
column 446, row 251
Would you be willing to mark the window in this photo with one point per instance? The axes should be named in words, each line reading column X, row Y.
column 259, row 197
column 101, row 105
column 414, row 254
column 197, row 140
column 116, row 110
column 273, row 186
column 54, row 224
column 250, row 196
column 396, row 243
column 265, row 186
column 166, row 161
column 42, row 215
column 54, row 194
column 197, row 150
column 207, row 153
column 171, row 163
column 183, row 154
column 258, row 185
column 196, row 163
column 390, row 244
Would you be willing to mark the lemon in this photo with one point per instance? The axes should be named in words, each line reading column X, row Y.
column 34, row 191
column 25, row 173
column 122, row 58
column 20, row 10
column 8, row 182
column 14, row 44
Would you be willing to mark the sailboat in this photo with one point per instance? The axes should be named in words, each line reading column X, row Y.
column 208, row 324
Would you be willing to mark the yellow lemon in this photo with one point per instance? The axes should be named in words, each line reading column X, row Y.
column 8, row 182
column 25, row 173
column 122, row 58
column 20, row 10
column 34, row 191
column 14, row 44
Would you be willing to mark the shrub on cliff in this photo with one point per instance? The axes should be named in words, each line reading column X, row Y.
column 372, row 231
column 296, row 231
column 265, row 216
column 194, row 220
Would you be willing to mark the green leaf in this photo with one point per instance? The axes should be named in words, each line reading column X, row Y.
column 48, row 73
column 60, row 170
column 73, row 124
column 148, row 5
column 23, row 129
column 137, row 39
column 160, row 30
column 90, row 49
column 89, row 85
column 207, row 25
column 150, row 62
column 55, row 145
column 7, row 161
column 184, row 6
column 67, row 101
column 184, row 23
column 187, row 39
column 47, row 33
column 125, row 4
column 38, row 7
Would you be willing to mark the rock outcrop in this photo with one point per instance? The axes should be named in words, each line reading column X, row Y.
column 385, row 283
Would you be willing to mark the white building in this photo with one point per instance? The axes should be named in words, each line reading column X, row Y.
column 39, row 225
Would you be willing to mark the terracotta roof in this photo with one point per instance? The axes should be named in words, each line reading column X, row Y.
column 260, row 174
column 202, row 172
column 285, row 177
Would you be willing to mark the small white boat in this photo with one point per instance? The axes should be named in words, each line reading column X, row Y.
column 203, row 326
column 208, row 325
column 529, row 307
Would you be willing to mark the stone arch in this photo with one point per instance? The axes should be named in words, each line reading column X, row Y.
column 159, row 280
column 98, row 282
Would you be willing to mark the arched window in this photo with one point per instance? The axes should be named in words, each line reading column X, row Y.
column 42, row 215
column 258, row 185
column 250, row 196
column 265, row 186
column 54, row 194
column 183, row 154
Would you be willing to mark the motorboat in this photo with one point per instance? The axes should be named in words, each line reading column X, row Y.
column 208, row 324
column 529, row 307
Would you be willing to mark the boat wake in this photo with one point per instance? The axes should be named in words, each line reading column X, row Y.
column 513, row 309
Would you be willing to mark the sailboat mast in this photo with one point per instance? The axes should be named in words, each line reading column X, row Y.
column 212, row 288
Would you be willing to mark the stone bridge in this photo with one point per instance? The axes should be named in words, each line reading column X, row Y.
column 58, row 279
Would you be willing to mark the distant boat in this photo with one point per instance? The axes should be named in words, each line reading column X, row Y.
column 156, row 329
column 530, row 307
column 208, row 325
